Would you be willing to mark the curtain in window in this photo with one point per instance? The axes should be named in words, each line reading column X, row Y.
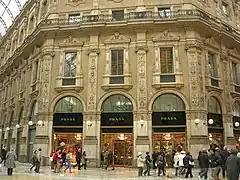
column 166, row 60
column 213, row 65
column 117, row 62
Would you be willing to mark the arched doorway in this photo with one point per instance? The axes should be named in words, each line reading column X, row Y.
column 32, row 130
column 10, row 131
column 168, row 123
column 117, row 128
column 215, row 123
column 236, row 121
column 19, row 132
column 68, row 124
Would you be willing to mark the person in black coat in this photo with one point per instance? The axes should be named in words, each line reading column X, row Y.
column 4, row 153
column 204, row 162
column 224, row 155
column 148, row 164
column 217, row 163
column 233, row 166
column 186, row 161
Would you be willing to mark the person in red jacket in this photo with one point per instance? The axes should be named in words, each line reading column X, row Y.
column 51, row 159
column 56, row 159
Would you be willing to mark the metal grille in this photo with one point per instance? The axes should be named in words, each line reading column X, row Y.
column 167, row 78
column 117, row 80
column 68, row 81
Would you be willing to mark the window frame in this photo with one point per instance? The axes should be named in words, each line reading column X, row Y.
column 163, row 10
column 64, row 64
column 225, row 8
column 214, row 63
column 173, row 61
column 119, row 10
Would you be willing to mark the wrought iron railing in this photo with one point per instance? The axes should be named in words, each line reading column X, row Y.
column 191, row 13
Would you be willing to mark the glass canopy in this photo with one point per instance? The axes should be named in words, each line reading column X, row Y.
column 9, row 9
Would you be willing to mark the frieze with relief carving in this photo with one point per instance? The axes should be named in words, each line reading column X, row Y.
column 74, row 3
column 92, row 81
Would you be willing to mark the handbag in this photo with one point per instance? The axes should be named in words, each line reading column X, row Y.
column 191, row 163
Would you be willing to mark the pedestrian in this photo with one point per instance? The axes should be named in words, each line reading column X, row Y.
column 4, row 153
column 63, row 157
column 102, row 159
column 78, row 159
column 10, row 161
column 34, row 160
column 161, row 163
column 204, row 162
column 233, row 165
column 224, row 155
column 84, row 160
column 68, row 160
column 38, row 162
column 56, row 158
column 140, row 164
column 148, row 164
column 176, row 163
column 110, row 160
column 216, row 163
column 154, row 158
column 188, row 164
column 181, row 165
column 51, row 160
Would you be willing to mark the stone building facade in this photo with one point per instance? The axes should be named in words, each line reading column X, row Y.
column 126, row 75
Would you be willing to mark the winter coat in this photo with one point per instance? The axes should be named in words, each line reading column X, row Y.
column 84, row 159
column 203, row 160
column 217, row 159
column 10, row 159
column 140, row 161
column 181, row 156
column 110, row 157
column 148, row 159
column 186, row 160
column 176, row 160
column 224, row 155
column 233, row 167
column 4, row 153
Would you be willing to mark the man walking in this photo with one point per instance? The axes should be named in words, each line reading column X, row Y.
column 38, row 162
column 217, row 163
column 224, row 155
column 203, row 160
column 110, row 160
column 4, row 153
column 233, row 166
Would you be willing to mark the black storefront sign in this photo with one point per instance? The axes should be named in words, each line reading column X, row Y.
column 68, row 119
column 217, row 120
column 168, row 118
column 117, row 119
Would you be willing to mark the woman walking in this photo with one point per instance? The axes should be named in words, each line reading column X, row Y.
column 68, row 160
column 10, row 161
column 34, row 160
column 84, row 160
column 140, row 164
column 188, row 164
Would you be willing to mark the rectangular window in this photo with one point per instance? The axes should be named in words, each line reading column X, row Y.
column 117, row 63
column 74, row 18
column 118, row 15
column 212, row 64
column 166, row 60
column 70, row 69
column 225, row 9
column 35, row 73
column 23, row 80
column 236, row 73
column 164, row 12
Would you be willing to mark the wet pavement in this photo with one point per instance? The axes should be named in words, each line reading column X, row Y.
column 22, row 172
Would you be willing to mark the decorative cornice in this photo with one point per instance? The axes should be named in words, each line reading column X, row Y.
column 117, row 39
column 71, row 42
column 233, row 53
column 211, row 41
column 194, row 44
column 166, row 36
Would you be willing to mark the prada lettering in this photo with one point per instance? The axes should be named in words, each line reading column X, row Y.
column 68, row 119
column 116, row 119
column 168, row 118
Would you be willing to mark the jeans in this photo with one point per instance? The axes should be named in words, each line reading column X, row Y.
column 68, row 161
column 161, row 169
column 147, row 170
column 189, row 172
column 109, row 163
column 10, row 171
column 216, row 172
column 37, row 167
column 140, row 171
column 176, row 171
column 204, row 173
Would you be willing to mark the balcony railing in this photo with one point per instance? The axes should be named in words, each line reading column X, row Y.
column 191, row 13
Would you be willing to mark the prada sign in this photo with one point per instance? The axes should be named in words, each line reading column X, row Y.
column 168, row 118
column 117, row 119
column 68, row 119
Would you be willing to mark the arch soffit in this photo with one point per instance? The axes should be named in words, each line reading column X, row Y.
column 59, row 97
column 180, row 95
column 107, row 95
column 19, row 111
column 220, row 100
column 30, row 107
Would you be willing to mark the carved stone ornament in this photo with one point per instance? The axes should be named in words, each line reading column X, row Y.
column 116, row 1
column 117, row 39
column 74, row 2
column 211, row 41
column 234, row 52
column 193, row 44
column 205, row 3
column 166, row 36
column 71, row 42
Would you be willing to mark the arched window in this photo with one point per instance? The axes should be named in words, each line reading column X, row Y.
column 168, row 102
column 214, row 106
column 117, row 103
column 236, row 109
column 20, row 116
column 69, row 104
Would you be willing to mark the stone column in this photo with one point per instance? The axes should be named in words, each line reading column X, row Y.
column 229, row 139
column 141, row 126
column 197, row 134
column 90, row 125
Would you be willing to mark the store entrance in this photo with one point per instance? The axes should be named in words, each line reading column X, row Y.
column 121, row 145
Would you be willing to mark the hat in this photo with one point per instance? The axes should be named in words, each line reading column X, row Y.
column 139, row 154
column 183, row 152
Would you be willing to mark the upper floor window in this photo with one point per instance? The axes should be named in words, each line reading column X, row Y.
column 35, row 72
column 236, row 73
column 212, row 64
column 31, row 23
column 22, row 85
column 21, row 36
column 164, row 12
column 73, row 18
column 118, row 15
column 70, row 68
column 117, row 63
column 225, row 8
column 166, row 60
